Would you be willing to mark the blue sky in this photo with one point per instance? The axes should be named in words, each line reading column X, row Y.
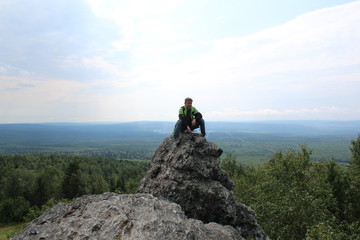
column 112, row 60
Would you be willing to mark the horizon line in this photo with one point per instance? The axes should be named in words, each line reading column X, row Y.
column 169, row 121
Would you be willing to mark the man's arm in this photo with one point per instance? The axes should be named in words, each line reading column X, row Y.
column 181, row 114
column 198, row 116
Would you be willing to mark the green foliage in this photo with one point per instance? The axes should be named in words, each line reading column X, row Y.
column 230, row 165
column 36, row 211
column 117, row 183
column 8, row 230
column 18, row 183
column 354, row 178
column 294, row 196
column 342, row 231
column 258, row 148
column 30, row 183
column 355, row 150
column 339, row 182
column 73, row 184
column 321, row 231
column 297, row 198
column 304, row 199
column 47, row 186
column 100, row 185
column 14, row 210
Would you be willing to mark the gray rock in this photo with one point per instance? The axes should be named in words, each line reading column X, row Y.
column 126, row 217
column 184, row 195
column 187, row 171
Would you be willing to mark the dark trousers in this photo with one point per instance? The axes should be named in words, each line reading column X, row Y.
column 181, row 127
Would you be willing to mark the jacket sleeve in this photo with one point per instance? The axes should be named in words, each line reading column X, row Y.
column 197, row 114
column 181, row 114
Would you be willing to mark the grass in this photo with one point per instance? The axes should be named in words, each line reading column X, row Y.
column 6, row 231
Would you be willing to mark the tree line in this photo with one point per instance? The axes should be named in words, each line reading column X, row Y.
column 30, row 183
column 293, row 196
column 296, row 198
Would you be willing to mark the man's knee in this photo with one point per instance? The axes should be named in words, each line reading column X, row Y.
column 199, row 122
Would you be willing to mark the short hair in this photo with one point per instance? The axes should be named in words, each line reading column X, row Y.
column 188, row 99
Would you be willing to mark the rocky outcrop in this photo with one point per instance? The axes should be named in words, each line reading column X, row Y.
column 184, row 195
column 187, row 171
column 126, row 217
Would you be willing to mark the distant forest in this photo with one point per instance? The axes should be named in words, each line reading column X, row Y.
column 296, row 198
column 295, row 193
column 250, row 142
column 29, row 183
column 309, row 200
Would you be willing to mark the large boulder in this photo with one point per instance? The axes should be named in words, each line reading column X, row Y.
column 126, row 217
column 187, row 171
column 184, row 195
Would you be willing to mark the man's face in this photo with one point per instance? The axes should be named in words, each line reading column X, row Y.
column 188, row 104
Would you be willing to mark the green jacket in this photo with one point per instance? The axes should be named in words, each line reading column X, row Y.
column 194, row 113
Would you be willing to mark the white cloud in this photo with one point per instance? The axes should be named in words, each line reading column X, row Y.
column 7, row 70
column 325, row 113
column 322, row 39
column 294, row 59
column 307, row 68
column 136, row 18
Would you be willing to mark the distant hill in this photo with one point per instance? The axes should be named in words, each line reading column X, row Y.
column 250, row 141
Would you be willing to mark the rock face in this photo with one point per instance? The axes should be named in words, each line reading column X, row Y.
column 126, row 217
column 187, row 172
column 184, row 195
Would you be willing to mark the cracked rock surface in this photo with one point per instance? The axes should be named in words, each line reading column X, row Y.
column 187, row 171
column 185, row 195
column 126, row 217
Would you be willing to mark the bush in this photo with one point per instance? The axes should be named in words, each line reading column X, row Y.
column 14, row 210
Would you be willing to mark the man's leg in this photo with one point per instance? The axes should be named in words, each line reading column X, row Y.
column 202, row 127
column 200, row 124
column 177, row 128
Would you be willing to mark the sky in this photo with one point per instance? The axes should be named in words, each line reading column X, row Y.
column 137, row 60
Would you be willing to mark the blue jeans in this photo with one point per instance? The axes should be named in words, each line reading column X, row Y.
column 179, row 127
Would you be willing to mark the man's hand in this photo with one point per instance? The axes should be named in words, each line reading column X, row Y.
column 188, row 129
column 193, row 122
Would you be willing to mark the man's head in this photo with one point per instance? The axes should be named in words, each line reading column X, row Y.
column 188, row 103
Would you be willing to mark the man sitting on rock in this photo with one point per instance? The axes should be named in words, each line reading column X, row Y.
column 189, row 119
